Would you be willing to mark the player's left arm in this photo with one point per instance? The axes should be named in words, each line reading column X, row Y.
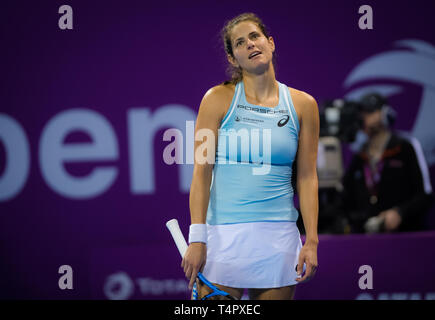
column 307, row 182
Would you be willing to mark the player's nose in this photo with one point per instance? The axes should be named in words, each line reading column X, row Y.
column 250, row 44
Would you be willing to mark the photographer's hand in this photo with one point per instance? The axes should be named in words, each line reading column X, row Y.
column 392, row 219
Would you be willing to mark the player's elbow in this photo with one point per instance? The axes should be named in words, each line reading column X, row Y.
column 202, row 172
column 307, row 179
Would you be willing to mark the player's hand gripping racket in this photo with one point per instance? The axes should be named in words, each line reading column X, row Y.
column 178, row 237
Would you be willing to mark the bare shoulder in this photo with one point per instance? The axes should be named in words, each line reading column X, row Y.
column 218, row 99
column 221, row 91
column 305, row 105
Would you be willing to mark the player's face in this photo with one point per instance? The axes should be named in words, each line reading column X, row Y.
column 252, row 50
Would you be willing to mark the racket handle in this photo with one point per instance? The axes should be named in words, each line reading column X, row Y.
column 178, row 237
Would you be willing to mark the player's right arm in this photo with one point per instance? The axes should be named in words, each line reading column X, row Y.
column 211, row 112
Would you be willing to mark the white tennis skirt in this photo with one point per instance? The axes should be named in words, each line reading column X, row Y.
column 253, row 255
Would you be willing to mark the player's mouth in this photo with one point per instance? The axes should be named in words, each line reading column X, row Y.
column 254, row 54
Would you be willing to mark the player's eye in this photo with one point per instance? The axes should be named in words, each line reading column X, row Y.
column 239, row 43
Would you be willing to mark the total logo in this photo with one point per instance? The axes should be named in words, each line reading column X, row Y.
column 120, row 286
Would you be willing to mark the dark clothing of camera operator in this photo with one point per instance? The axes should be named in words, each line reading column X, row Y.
column 386, row 186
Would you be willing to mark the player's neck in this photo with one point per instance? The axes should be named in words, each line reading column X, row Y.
column 261, row 88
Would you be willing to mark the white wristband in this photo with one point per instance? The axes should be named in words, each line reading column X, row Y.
column 198, row 233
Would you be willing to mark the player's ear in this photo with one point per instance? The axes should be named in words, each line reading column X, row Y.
column 232, row 60
column 272, row 43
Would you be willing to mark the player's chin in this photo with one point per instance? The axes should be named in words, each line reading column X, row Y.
column 258, row 67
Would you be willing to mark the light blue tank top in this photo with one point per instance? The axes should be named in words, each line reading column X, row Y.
column 252, row 174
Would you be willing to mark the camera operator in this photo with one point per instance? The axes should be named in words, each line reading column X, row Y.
column 386, row 186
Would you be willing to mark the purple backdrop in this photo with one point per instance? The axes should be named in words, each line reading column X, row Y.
column 82, row 177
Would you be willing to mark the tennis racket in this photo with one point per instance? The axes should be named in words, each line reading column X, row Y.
column 178, row 237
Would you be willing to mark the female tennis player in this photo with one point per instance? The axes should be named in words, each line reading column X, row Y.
column 243, row 232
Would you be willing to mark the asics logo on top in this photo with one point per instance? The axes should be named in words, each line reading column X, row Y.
column 283, row 121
